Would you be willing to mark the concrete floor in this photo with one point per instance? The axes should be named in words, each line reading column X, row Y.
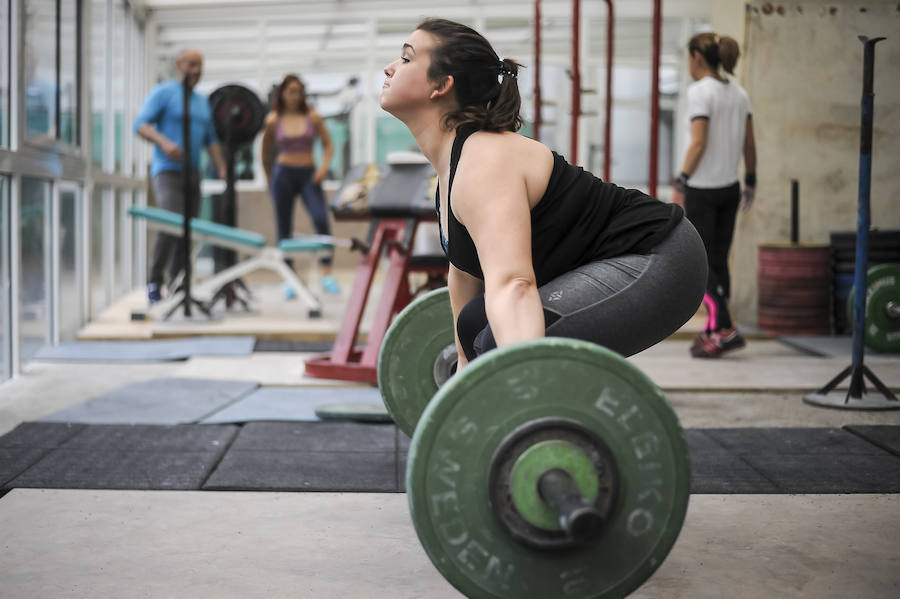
column 129, row 544
column 84, row 543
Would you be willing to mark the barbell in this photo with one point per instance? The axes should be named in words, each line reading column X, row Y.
column 549, row 468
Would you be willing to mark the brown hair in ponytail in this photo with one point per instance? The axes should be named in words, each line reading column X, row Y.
column 716, row 50
column 487, row 90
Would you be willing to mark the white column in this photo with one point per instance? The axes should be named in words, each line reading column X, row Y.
column 51, row 261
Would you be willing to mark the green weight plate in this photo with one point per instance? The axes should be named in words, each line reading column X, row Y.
column 882, row 300
column 358, row 412
column 503, row 391
column 406, row 361
column 535, row 461
column 882, row 324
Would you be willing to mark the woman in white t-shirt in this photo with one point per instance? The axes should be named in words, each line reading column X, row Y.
column 721, row 130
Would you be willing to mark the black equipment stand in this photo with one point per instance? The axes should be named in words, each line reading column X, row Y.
column 186, row 300
column 856, row 398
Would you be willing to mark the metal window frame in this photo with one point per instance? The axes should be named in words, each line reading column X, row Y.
column 6, row 369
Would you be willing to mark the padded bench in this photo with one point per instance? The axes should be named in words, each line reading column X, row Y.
column 246, row 242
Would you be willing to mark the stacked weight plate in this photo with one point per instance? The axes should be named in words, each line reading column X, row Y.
column 794, row 285
column 884, row 248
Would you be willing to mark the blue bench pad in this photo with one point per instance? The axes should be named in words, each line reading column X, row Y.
column 201, row 226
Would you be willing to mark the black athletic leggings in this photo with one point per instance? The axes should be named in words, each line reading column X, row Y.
column 626, row 303
column 713, row 212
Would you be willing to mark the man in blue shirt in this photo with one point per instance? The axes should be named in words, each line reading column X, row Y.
column 160, row 122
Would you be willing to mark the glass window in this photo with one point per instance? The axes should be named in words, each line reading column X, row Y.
column 119, row 82
column 71, row 235
column 40, row 70
column 68, row 71
column 98, row 273
column 33, row 290
column 5, row 341
column 338, row 128
column 98, row 77
column 4, row 77
column 391, row 135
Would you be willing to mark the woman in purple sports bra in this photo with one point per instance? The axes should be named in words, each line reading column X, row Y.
column 290, row 130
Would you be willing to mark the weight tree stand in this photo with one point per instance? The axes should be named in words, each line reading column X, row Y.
column 856, row 398
column 237, row 116
column 186, row 300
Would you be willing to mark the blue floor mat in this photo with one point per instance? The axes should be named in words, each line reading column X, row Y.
column 157, row 401
column 160, row 350
column 294, row 404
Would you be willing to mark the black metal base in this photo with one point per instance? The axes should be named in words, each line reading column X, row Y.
column 857, row 396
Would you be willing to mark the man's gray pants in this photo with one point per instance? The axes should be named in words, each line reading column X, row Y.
column 168, row 250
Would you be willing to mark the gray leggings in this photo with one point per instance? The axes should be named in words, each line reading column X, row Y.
column 627, row 303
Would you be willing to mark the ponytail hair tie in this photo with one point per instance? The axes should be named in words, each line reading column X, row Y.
column 505, row 71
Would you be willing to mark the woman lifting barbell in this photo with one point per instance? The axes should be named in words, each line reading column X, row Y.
column 536, row 246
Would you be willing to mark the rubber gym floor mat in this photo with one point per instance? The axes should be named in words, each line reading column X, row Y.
column 290, row 403
column 813, row 460
column 131, row 457
column 361, row 471
column 310, row 456
column 828, row 347
column 715, row 470
column 885, row 437
column 157, row 401
column 40, row 435
column 26, row 444
column 157, row 350
column 329, row 437
column 16, row 460
column 277, row 345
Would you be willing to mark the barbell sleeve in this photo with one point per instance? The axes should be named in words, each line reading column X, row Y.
column 577, row 516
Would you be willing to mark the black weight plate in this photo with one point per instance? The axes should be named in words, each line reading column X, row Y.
column 239, row 108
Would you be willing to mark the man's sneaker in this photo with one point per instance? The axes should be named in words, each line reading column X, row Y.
column 330, row 285
column 153, row 294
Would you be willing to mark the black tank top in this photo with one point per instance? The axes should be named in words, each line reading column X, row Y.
column 579, row 219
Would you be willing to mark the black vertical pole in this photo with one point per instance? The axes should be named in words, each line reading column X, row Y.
column 857, row 371
column 188, row 193
column 795, row 211
column 857, row 386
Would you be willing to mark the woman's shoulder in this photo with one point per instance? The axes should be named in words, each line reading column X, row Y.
column 503, row 144
column 505, row 156
column 271, row 118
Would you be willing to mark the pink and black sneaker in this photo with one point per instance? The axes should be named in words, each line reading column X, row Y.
column 715, row 344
